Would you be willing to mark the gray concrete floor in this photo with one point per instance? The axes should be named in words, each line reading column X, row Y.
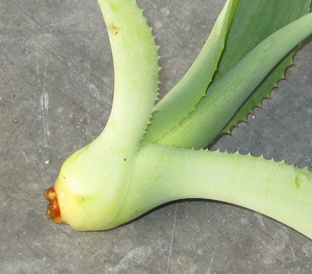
column 55, row 96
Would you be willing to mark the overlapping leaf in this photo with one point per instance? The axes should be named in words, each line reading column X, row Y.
column 254, row 21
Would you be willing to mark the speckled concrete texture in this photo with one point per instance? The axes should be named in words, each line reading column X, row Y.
column 55, row 96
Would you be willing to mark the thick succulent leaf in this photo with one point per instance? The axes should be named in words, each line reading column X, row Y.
column 135, row 69
column 254, row 21
column 163, row 174
column 183, row 98
column 227, row 93
column 103, row 166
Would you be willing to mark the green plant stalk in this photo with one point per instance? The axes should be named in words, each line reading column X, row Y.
column 163, row 174
column 233, row 88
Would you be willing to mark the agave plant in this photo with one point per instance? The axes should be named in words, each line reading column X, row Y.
column 151, row 154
